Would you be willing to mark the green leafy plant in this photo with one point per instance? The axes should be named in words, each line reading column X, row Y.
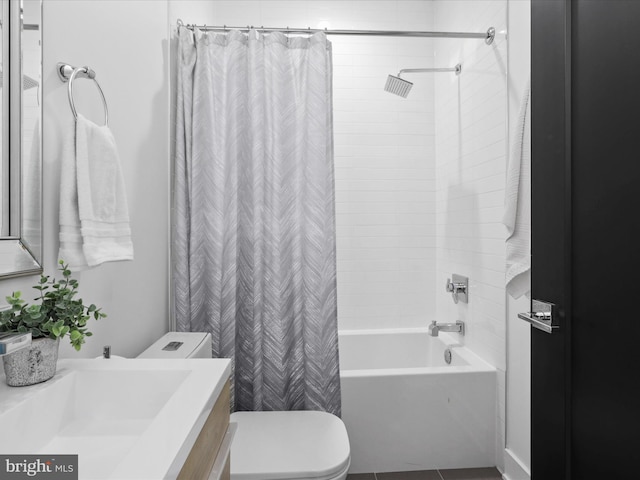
column 57, row 314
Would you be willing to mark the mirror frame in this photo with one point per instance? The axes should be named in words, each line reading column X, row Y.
column 17, row 257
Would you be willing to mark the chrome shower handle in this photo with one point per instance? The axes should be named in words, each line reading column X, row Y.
column 458, row 288
column 455, row 287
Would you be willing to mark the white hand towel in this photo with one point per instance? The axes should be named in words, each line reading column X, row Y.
column 102, row 201
column 517, row 214
column 94, row 217
column 70, row 237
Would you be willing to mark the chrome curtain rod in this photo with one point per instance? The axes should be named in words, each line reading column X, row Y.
column 488, row 36
column 457, row 69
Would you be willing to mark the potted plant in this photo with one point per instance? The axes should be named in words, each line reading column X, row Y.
column 56, row 314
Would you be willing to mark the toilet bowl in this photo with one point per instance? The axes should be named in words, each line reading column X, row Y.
column 294, row 445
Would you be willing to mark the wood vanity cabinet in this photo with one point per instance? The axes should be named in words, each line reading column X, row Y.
column 209, row 458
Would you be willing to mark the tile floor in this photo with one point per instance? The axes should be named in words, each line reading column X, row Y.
column 457, row 474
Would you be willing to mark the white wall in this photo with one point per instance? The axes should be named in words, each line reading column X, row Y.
column 518, row 451
column 471, row 129
column 384, row 150
column 125, row 43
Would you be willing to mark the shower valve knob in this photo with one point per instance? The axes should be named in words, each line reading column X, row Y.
column 452, row 287
column 458, row 288
column 449, row 286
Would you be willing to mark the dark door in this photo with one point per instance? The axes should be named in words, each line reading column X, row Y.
column 550, row 253
column 586, row 238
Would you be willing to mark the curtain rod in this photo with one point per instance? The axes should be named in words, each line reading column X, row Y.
column 488, row 36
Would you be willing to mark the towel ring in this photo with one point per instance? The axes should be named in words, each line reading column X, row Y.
column 67, row 73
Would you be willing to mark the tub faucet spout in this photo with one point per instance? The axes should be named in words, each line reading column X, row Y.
column 435, row 328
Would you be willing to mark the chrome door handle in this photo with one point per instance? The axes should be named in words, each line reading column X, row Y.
column 541, row 317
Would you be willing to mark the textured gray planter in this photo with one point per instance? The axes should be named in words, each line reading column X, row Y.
column 33, row 364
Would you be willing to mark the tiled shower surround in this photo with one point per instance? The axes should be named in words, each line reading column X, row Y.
column 420, row 181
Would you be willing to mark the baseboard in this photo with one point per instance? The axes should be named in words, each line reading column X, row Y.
column 514, row 469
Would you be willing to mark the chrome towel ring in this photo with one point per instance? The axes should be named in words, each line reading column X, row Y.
column 68, row 73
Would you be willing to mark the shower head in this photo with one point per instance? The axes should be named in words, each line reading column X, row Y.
column 402, row 87
column 398, row 86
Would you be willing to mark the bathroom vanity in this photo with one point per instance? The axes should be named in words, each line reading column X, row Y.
column 126, row 418
column 209, row 457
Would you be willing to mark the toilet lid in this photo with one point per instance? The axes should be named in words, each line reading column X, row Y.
column 288, row 445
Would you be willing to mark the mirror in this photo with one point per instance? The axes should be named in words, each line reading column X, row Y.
column 21, row 126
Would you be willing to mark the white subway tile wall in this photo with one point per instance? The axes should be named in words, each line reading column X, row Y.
column 471, row 160
column 471, row 148
column 385, row 171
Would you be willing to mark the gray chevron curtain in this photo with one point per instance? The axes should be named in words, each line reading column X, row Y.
column 254, row 215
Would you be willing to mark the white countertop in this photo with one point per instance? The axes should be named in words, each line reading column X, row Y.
column 125, row 418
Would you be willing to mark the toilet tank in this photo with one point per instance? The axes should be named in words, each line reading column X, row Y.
column 180, row 345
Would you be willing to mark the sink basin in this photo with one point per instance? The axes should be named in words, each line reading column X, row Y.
column 125, row 419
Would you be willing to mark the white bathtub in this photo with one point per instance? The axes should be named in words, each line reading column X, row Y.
column 406, row 409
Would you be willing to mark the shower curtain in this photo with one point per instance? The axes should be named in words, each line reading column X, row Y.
column 254, row 216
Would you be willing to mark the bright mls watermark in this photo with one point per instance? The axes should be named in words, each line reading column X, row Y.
column 50, row 467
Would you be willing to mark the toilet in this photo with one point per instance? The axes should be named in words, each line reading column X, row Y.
column 293, row 445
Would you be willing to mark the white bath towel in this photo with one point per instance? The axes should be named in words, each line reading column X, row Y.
column 97, row 219
column 517, row 213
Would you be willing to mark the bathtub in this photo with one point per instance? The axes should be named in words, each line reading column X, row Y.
column 406, row 409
